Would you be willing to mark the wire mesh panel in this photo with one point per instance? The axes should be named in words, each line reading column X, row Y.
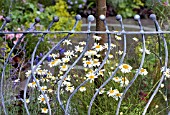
column 64, row 73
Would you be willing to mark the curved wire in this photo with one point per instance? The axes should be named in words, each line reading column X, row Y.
column 43, row 58
column 32, row 72
column 137, row 73
column 5, row 64
column 153, row 17
column 114, row 72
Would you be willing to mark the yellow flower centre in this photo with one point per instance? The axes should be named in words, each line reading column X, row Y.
column 125, row 66
column 142, row 70
column 64, row 66
column 42, row 99
column 33, row 83
column 44, row 109
column 98, row 46
column 111, row 91
column 88, row 62
column 91, row 77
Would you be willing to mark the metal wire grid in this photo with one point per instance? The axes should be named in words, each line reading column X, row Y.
column 88, row 32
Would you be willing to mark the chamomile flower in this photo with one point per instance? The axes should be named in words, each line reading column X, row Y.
column 28, row 73
column 67, row 42
column 167, row 73
column 119, row 52
column 82, row 89
column 91, row 77
column 88, row 63
column 27, row 100
column 82, row 43
column 110, row 56
column 42, row 72
column 69, row 54
column 146, row 51
column 78, row 48
column 112, row 92
column 44, row 110
column 124, row 82
column 55, row 62
column 70, row 89
column 118, row 37
column 54, row 55
column 116, row 79
column 101, row 72
column 117, row 96
column 41, row 99
column 125, row 68
column 101, row 91
column 44, row 88
column 97, row 47
column 65, row 60
column 97, row 37
column 64, row 67
column 143, row 72
column 33, row 84
column 96, row 62
column 106, row 46
column 90, row 53
column 50, row 90
column 135, row 39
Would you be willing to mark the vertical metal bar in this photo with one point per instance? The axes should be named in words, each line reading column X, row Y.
column 153, row 17
column 6, row 62
column 136, row 17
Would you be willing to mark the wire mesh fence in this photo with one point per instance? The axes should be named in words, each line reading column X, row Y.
column 66, row 106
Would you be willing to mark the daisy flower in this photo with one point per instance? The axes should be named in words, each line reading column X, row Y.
column 54, row 55
column 44, row 88
column 91, row 77
column 117, row 96
column 67, row 42
column 101, row 91
column 44, row 110
column 125, row 68
column 135, row 39
column 118, row 37
column 97, row 47
column 167, row 73
column 33, row 84
column 65, row 60
column 88, row 63
column 50, row 90
column 78, row 48
column 69, row 54
column 146, row 51
column 82, row 89
column 143, row 72
column 55, row 62
column 97, row 37
column 116, row 79
column 119, row 52
column 64, row 67
column 90, row 53
column 41, row 99
column 112, row 92
column 82, row 43
column 124, row 82
column 96, row 62
column 70, row 89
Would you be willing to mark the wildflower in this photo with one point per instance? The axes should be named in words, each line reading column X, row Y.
column 82, row 89
column 124, row 82
column 88, row 63
column 55, row 62
column 33, row 84
column 162, row 85
column 118, row 37
column 27, row 100
column 110, row 56
column 101, row 72
column 156, row 106
column 44, row 88
column 96, row 62
column 78, row 48
column 70, row 89
column 118, row 95
column 90, row 53
column 66, row 83
column 54, row 55
column 135, row 39
column 44, row 79
column 63, row 68
column 41, row 99
column 97, row 37
column 44, row 110
column 101, row 91
column 143, row 72
column 67, row 42
column 65, row 60
column 91, row 77
column 146, row 51
column 119, row 52
column 167, row 73
column 50, row 90
column 125, row 68
column 82, row 43
column 28, row 73
column 116, row 79
column 42, row 72
column 97, row 47
column 69, row 54
column 10, row 36
column 112, row 92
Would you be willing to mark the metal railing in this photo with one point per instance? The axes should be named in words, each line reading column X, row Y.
column 88, row 33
